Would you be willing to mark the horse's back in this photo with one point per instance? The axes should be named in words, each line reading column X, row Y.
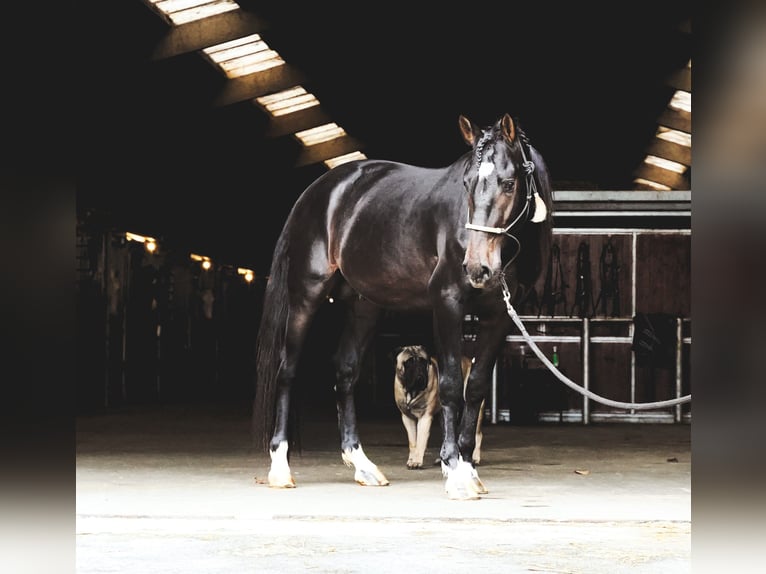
column 379, row 222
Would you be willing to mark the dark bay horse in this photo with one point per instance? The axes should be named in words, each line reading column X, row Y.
column 386, row 235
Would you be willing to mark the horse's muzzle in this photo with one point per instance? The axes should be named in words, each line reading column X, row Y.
column 478, row 276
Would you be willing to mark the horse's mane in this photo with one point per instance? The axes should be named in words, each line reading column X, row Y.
column 492, row 133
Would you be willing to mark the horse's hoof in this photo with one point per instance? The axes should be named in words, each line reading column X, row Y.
column 463, row 482
column 462, row 493
column 370, row 477
column 281, row 482
column 414, row 465
column 279, row 473
column 367, row 474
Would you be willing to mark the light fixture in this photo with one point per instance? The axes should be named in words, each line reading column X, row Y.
column 247, row 273
column 205, row 261
column 150, row 243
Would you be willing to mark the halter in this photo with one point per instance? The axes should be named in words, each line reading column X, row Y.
column 529, row 168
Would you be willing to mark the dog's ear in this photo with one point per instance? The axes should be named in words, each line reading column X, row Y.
column 393, row 353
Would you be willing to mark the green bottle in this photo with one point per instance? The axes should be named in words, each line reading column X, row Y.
column 555, row 358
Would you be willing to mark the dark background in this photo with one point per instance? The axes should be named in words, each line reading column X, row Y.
column 587, row 81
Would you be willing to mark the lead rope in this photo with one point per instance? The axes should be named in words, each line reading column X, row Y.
column 568, row 382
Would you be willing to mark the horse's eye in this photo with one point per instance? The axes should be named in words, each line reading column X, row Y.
column 508, row 184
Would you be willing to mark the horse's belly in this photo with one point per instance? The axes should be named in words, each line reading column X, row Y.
column 394, row 285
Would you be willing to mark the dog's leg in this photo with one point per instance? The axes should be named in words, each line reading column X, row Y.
column 424, row 431
column 476, row 457
column 412, row 437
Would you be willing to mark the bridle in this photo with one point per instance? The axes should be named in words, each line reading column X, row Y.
column 529, row 168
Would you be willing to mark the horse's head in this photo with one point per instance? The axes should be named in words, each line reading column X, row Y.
column 501, row 196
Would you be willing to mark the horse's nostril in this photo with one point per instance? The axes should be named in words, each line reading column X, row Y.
column 485, row 272
column 465, row 268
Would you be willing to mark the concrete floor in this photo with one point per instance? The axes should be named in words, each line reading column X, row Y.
column 178, row 489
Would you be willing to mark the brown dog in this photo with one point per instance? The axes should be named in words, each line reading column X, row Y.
column 416, row 394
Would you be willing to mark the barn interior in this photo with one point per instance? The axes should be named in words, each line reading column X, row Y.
column 182, row 149
column 192, row 155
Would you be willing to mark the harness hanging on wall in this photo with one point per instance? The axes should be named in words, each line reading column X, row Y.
column 553, row 290
column 584, row 289
column 609, row 274
column 529, row 303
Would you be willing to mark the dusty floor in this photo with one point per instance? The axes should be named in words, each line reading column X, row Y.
column 178, row 489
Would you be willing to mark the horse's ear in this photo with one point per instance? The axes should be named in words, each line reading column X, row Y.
column 508, row 128
column 468, row 129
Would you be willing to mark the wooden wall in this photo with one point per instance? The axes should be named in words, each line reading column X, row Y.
column 654, row 276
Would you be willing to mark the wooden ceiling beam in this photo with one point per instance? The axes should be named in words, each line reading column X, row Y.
column 670, row 178
column 681, row 80
column 297, row 121
column 677, row 120
column 207, row 32
column 670, row 151
column 327, row 150
column 259, row 84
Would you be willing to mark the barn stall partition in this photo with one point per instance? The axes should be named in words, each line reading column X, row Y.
column 614, row 302
column 613, row 305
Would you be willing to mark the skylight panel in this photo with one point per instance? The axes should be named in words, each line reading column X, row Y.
column 320, row 134
column 681, row 101
column 665, row 164
column 652, row 184
column 340, row 159
column 246, row 55
column 675, row 136
column 185, row 11
column 287, row 101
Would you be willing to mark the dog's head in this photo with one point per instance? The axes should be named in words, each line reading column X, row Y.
column 412, row 364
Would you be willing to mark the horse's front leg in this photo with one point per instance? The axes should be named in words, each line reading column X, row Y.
column 462, row 481
column 491, row 335
column 354, row 342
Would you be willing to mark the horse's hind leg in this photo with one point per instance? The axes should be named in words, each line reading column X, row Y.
column 303, row 304
column 354, row 342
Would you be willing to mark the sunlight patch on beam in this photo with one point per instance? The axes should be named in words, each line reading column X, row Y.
column 675, row 136
column 665, row 164
column 184, row 11
column 287, row 101
column 681, row 101
column 346, row 157
column 646, row 184
column 243, row 56
column 319, row 134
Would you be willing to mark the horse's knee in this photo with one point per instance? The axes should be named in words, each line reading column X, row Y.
column 450, row 395
column 466, row 443
column 345, row 377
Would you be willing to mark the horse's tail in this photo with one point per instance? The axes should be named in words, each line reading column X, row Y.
column 269, row 345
